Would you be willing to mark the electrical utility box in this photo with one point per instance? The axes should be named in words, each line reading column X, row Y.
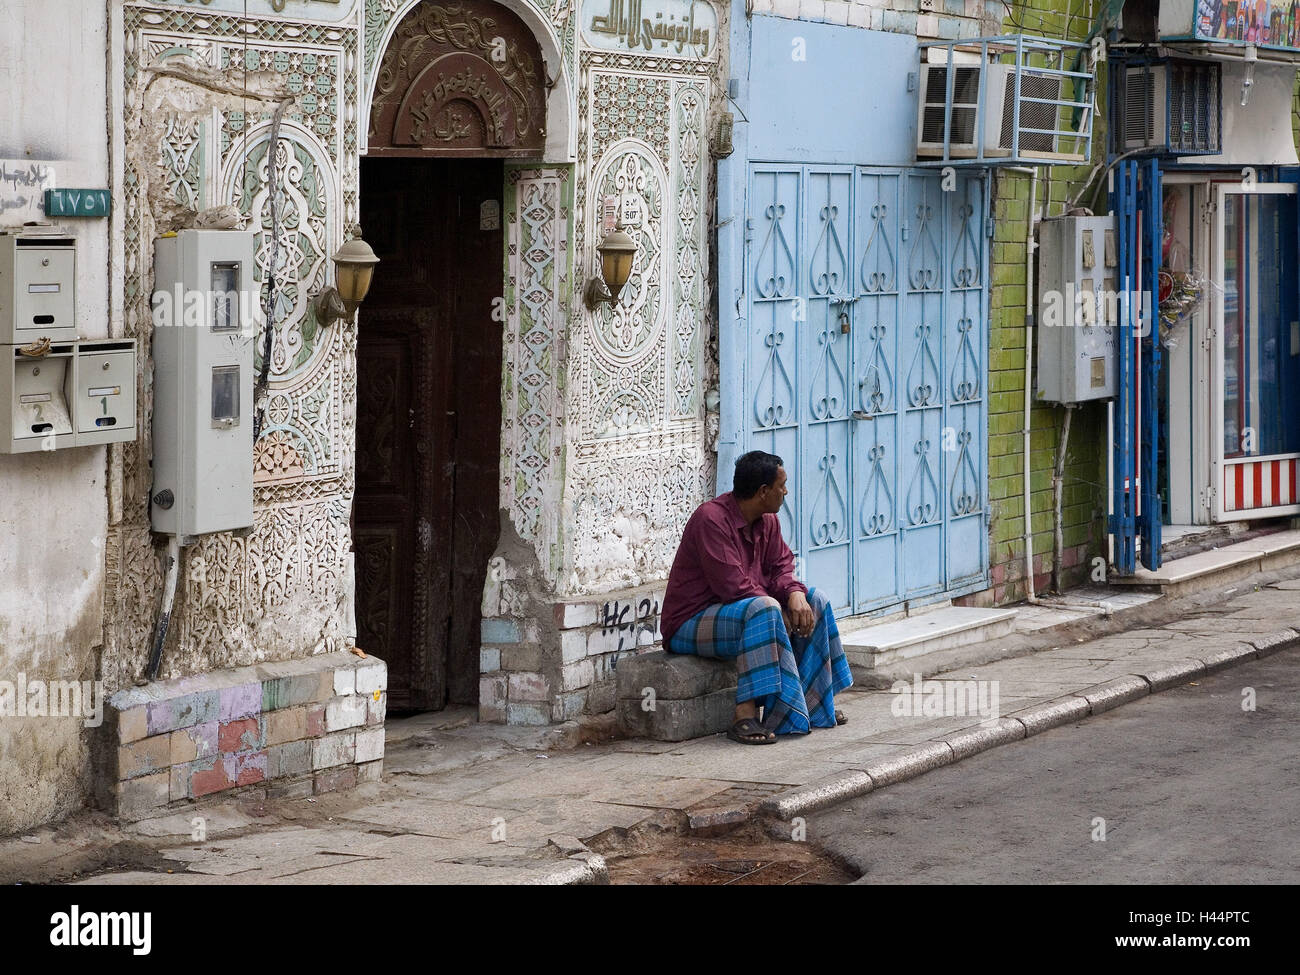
column 38, row 270
column 1078, row 309
column 205, row 325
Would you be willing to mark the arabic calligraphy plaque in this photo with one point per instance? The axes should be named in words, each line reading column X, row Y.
column 686, row 29
column 462, row 78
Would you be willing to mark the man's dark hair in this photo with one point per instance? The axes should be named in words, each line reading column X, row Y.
column 753, row 471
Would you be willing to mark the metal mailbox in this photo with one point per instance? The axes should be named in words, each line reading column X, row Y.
column 34, row 412
column 37, row 286
column 104, row 391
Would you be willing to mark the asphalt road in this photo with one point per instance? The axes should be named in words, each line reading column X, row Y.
column 1193, row 790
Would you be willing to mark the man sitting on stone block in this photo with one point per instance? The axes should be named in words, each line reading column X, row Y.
column 732, row 593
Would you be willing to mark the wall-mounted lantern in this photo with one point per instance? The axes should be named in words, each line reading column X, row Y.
column 354, row 265
column 616, row 253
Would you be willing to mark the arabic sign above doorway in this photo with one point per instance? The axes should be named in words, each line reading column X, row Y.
column 685, row 29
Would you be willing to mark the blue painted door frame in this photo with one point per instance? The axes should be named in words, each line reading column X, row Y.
column 853, row 298
column 1135, row 489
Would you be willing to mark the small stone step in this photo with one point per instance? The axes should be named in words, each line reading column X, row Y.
column 674, row 676
column 1180, row 541
column 673, row 697
column 882, row 648
column 1217, row 567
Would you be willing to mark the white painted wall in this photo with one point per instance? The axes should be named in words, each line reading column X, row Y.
column 53, row 512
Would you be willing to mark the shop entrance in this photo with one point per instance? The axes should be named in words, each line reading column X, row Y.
column 1232, row 408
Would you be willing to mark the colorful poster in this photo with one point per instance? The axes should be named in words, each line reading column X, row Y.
column 1272, row 23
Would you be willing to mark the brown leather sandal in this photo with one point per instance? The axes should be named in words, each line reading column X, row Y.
column 748, row 731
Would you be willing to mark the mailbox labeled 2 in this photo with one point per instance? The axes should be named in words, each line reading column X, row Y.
column 34, row 400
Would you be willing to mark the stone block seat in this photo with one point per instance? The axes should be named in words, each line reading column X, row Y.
column 673, row 697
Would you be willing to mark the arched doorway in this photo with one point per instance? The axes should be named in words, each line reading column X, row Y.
column 461, row 88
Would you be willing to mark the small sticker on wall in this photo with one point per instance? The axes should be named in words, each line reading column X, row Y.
column 489, row 215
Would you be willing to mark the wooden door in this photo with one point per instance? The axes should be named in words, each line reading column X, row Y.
column 425, row 519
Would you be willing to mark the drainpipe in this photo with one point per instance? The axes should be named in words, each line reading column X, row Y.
column 1058, row 489
column 1030, row 246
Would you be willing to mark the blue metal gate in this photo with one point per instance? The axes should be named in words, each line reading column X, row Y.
column 866, row 369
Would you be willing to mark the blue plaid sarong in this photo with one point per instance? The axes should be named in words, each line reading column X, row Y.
column 795, row 683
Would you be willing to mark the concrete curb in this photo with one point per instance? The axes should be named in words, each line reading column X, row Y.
column 583, row 869
column 1173, row 674
column 1016, row 726
column 964, row 744
column 817, row 795
column 1273, row 642
column 1228, row 656
column 1053, row 714
column 911, row 763
column 1113, row 693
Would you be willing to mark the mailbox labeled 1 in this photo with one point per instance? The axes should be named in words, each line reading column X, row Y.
column 103, row 402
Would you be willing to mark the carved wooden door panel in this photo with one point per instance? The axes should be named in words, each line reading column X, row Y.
column 460, row 78
column 404, row 518
column 385, row 533
column 426, row 517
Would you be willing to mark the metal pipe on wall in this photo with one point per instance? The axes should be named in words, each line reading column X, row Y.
column 1030, row 246
column 1058, row 489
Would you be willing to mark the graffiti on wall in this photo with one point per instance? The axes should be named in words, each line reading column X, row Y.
column 630, row 622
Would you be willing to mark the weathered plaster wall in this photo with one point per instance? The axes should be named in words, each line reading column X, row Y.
column 609, row 429
column 1084, row 504
column 606, row 446
column 52, row 505
column 197, row 90
column 637, row 457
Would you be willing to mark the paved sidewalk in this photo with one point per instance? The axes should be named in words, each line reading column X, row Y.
column 469, row 803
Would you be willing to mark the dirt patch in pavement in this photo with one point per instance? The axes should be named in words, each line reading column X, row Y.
column 746, row 856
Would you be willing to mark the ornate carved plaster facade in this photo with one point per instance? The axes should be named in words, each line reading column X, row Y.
column 604, row 442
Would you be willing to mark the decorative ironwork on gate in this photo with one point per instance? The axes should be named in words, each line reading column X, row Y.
column 865, row 370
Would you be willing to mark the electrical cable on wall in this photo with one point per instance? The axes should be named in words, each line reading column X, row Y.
column 259, row 389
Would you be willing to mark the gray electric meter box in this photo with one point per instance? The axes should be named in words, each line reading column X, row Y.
column 37, row 285
column 1078, row 309
column 205, row 325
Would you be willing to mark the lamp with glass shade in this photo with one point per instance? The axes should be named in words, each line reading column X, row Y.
column 354, row 266
column 617, row 252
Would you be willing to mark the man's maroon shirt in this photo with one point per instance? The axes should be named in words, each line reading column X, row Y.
column 722, row 558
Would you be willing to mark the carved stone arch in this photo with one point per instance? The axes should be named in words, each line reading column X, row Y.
column 460, row 78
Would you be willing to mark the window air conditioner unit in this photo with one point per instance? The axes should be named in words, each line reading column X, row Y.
column 1173, row 107
column 999, row 111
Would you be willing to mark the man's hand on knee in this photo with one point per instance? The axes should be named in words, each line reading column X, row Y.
column 799, row 616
